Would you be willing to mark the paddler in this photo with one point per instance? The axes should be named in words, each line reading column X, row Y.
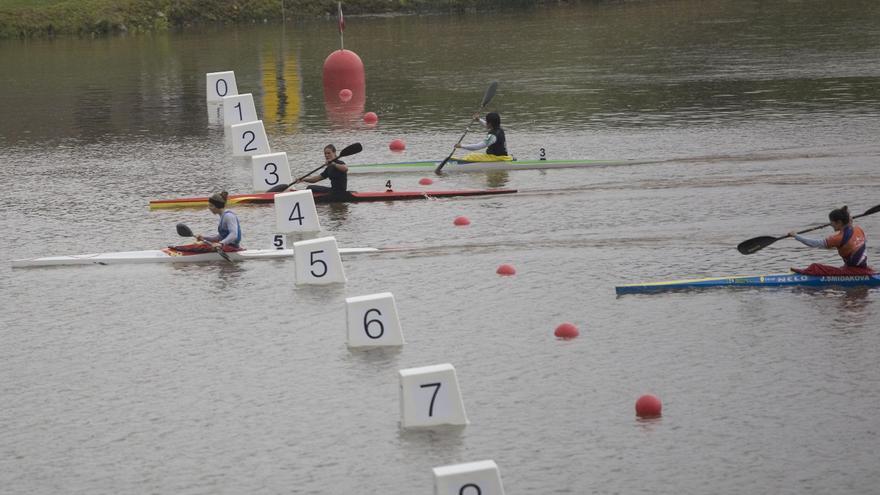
column 494, row 142
column 336, row 171
column 851, row 244
column 229, row 230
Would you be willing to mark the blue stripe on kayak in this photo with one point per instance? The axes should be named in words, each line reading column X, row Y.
column 772, row 280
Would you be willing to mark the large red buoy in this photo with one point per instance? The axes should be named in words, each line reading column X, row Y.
column 344, row 70
column 566, row 331
column 648, row 406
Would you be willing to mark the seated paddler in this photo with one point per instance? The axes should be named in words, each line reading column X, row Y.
column 495, row 142
column 849, row 240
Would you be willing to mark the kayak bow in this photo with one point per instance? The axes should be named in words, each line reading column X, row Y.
column 322, row 197
column 772, row 280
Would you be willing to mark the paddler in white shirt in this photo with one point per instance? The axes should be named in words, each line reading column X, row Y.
column 494, row 142
column 229, row 230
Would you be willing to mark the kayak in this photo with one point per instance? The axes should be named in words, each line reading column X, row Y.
column 166, row 255
column 323, row 197
column 459, row 165
column 772, row 280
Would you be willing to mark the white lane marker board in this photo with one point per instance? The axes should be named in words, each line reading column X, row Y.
column 430, row 396
column 472, row 478
column 373, row 321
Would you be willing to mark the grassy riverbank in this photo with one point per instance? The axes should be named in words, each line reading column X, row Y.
column 41, row 18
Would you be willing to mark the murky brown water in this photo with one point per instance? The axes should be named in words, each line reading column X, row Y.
column 756, row 119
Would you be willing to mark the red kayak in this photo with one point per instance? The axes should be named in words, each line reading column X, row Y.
column 323, row 197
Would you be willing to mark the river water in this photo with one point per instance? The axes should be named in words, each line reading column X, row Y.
column 745, row 118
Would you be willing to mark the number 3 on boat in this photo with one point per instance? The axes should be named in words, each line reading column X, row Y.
column 295, row 212
column 317, row 262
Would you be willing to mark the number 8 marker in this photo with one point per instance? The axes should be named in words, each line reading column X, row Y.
column 471, row 478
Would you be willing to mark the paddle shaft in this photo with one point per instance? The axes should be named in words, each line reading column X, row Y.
column 487, row 97
column 347, row 151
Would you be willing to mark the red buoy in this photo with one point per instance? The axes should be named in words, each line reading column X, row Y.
column 425, row 181
column 461, row 221
column 345, row 95
column 397, row 145
column 506, row 270
column 371, row 118
column 566, row 331
column 648, row 406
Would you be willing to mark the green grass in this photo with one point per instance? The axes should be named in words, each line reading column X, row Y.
column 38, row 18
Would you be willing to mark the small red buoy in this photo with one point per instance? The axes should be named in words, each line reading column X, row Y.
column 425, row 181
column 461, row 221
column 397, row 145
column 648, row 406
column 371, row 118
column 566, row 331
column 506, row 270
column 345, row 95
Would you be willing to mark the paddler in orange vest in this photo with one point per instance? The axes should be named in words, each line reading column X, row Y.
column 851, row 244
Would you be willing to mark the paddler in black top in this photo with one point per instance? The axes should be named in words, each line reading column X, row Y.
column 336, row 171
column 495, row 143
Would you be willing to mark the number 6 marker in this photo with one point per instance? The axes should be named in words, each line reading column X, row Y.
column 317, row 262
column 373, row 321
column 472, row 478
column 429, row 396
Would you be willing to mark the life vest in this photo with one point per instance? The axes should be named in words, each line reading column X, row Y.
column 499, row 147
column 224, row 232
column 851, row 245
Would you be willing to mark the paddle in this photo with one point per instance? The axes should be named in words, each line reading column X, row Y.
column 185, row 231
column 347, row 151
column 758, row 243
column 490, row 92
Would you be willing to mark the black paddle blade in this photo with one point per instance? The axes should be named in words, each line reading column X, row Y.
column 184, row 231
column 278, row 188
column 490, row 92
column 351, row 150
column 756, row 244
column 871, row 211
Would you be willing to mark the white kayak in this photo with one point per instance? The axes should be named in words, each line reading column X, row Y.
column 166, row 256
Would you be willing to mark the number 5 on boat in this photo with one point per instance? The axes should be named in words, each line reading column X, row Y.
column 317, row 262
column 373, row 321
column 430, row 396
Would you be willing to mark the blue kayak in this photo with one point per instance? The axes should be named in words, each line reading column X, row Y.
column 772, row 280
